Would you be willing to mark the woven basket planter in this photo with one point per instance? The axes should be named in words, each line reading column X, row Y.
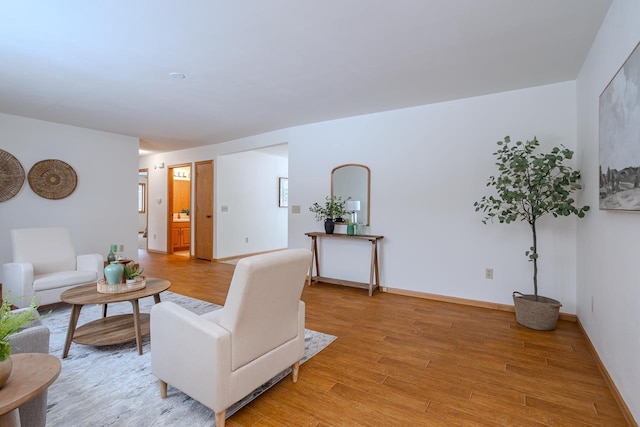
column 541, row 315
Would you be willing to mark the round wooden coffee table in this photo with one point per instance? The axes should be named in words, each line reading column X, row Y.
column 110, row 330
column 32, row 373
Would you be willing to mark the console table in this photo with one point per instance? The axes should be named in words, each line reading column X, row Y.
column 374, row 279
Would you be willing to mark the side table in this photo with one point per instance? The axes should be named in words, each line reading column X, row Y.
column 31, row 375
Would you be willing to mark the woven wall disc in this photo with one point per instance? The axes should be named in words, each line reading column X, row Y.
column 11, row 176
column 52, row 179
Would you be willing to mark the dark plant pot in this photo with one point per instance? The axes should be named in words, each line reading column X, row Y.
column 329, row 225
column 541, row 315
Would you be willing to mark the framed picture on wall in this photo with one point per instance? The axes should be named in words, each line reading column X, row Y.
column 283, row 198
column 620, row 138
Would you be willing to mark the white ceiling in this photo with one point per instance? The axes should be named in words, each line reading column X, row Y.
column 254, row 66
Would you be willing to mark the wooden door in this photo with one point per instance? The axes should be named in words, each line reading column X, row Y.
column 204, row 210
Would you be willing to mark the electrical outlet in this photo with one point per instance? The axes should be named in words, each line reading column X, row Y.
column 384, row 289
column 488, row 273
column 121, row 248
column 295, row 209
column 154, row 237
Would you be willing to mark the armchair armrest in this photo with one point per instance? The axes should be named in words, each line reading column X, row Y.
column 17, row 277
column 91, row 262
column 178, row 334
column 31, row 340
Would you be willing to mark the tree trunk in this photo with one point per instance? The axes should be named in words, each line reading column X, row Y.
column 535, row 259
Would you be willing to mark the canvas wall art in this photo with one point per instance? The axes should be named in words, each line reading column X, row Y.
column 620, row 138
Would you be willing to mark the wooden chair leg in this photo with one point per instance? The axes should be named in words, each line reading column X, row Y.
column 163, row 389
column 220, row 418
column 295, row 368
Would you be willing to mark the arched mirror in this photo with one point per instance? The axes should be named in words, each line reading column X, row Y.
column 353, row 181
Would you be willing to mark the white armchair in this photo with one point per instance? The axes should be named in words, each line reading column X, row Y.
column 33, row 338
column 222, row 356
column 45, row 265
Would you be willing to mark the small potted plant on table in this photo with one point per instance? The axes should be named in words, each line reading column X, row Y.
column 334, row 207
column 131, row 271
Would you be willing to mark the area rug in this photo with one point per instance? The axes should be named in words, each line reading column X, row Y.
column 114, row 386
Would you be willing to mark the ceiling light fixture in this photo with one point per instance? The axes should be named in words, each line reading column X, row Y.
column 177, row 76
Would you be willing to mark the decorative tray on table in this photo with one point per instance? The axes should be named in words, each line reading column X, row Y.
column 118, row 288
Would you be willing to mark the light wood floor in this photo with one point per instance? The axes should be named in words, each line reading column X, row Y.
column 403, row 361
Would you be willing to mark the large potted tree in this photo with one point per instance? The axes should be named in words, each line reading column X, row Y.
column 528, row 186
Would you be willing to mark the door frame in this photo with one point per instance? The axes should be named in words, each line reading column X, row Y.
column 170, row 203
column 146, row 206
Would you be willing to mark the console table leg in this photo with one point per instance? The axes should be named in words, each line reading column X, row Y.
column 373, row 264
column 314, row 256
column 377, row 275
column 374, row 277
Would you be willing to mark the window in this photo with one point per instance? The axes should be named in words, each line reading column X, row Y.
column 142, row 198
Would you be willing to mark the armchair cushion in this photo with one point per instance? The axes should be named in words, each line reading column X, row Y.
column 48, row 249
column 61, row 279
column 261, row 308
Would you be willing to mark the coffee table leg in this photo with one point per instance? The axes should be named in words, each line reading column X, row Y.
column 73, row 321
column 156, row 298
column 104, row 310
column 136, row 324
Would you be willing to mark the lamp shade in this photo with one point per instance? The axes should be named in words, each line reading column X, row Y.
column 352, row 205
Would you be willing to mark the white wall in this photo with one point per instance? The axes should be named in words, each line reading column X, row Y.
column 100, row 211
column 608, row 272
column 428, row 166
column 261, row 220
column 248, row 187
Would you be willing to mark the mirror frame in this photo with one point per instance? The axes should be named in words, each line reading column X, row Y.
column 366, row 168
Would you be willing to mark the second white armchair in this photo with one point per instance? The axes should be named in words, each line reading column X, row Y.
column 45, row 265
column 220, row 357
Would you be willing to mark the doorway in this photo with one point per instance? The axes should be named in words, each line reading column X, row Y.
column 143, row 218
column 179, row 210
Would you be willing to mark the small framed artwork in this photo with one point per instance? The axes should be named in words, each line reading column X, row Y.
column 619, row 130
column 283, row 192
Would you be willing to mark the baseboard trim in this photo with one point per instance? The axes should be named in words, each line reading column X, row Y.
column 247, row 255
column 607, row 379
column 156, row 251
column 469, row 302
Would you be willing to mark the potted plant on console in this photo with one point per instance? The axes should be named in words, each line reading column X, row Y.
column 334, row 207
column 530, row 185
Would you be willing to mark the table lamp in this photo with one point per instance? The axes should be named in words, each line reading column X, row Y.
column 353, row 206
